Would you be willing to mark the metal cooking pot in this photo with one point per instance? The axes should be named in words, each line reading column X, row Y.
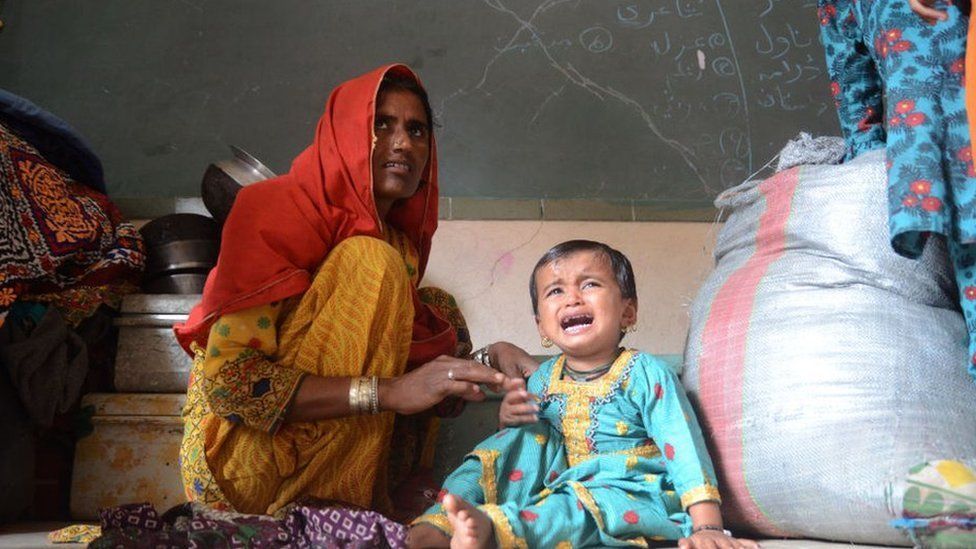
column 178, row 245
column 225, row 178
column 182, row 255
column 181, row 226
column 176, row 283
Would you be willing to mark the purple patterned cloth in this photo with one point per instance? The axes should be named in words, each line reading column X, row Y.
column 194, row 525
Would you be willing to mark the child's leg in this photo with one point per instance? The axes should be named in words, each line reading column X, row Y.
column 921, row 66
column 559, row 520
column 957, row 161
column 931, row 178
column 510, row 466
column 574, row 514
column 964, row 261
column 472, row 528
column 854, row 81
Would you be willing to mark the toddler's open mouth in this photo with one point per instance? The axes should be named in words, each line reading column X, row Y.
column 576, row 323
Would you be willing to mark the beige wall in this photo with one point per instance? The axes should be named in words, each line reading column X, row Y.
column 486, row 265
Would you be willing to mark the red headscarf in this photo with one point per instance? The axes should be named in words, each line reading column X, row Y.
column 280, row 230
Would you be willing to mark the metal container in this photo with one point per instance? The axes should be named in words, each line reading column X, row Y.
column 181, row 249
column 175, row 283
column 225, row 178
column 148, row 358
column 183, row 255
column 130, row 456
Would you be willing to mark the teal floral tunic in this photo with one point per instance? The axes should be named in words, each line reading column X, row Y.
column 610, row 462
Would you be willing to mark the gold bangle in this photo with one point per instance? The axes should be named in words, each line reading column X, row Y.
column 364, row 395
column 374, row 395
column 354, row 395
column 358, row 399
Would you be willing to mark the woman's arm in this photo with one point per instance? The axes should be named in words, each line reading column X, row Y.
column 328, row 397
column 239, row 380
column 243, row 384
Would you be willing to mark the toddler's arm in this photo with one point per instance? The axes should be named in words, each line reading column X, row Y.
column 708, row 531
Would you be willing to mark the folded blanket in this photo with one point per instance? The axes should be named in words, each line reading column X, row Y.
column 64, row 244
column 53, row 138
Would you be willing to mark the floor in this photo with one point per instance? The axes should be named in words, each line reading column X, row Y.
column 31, row 535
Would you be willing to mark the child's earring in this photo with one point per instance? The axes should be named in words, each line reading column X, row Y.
column 546, row 342
column 631, row 328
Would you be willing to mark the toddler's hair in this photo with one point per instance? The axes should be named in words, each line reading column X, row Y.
column 619, row 263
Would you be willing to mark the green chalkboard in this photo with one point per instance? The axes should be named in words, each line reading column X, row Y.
column 664, row 102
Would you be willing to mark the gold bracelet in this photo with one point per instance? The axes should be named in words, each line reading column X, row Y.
column 358, row 399
column 374, row 395
column 364, row 395
column 354, row 395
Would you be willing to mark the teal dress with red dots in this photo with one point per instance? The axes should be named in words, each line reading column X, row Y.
column 897, row 82
column 611, row 462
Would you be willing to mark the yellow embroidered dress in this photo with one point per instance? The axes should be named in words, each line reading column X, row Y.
column 356, row 319
column 609, row 463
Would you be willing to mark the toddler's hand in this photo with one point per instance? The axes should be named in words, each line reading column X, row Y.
column 712, row 539
column 518, row 406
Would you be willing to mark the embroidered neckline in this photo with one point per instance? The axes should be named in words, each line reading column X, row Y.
column 579, row 396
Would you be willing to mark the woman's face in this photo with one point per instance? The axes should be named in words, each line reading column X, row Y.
column 402, row 147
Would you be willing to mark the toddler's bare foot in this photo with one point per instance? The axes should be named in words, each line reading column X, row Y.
column 472, row 528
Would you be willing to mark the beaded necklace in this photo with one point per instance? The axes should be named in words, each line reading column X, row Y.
column 589, row 375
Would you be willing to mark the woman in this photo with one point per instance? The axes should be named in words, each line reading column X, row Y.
column 311, row 327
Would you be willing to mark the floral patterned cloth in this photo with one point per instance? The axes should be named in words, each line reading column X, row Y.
column 63, row 243
column 897, row 83
column 939, row 505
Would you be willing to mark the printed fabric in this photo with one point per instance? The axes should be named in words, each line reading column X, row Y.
column 64, row 244
column 898, row 84
column 307, row 525
column 612, row 462
column 356, row 319
column 939, row 505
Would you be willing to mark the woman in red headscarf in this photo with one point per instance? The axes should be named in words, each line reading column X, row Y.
column 312, row 345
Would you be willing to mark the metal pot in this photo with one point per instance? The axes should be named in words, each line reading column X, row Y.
column 182, row 255
column 180, row 245
column 181, row 226
column 225, row 178
column 175, row 283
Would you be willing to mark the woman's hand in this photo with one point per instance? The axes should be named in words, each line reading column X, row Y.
column 925, row 10
column 511, row 360
column 518, row 406
column 442, row 377
column 714, row 539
